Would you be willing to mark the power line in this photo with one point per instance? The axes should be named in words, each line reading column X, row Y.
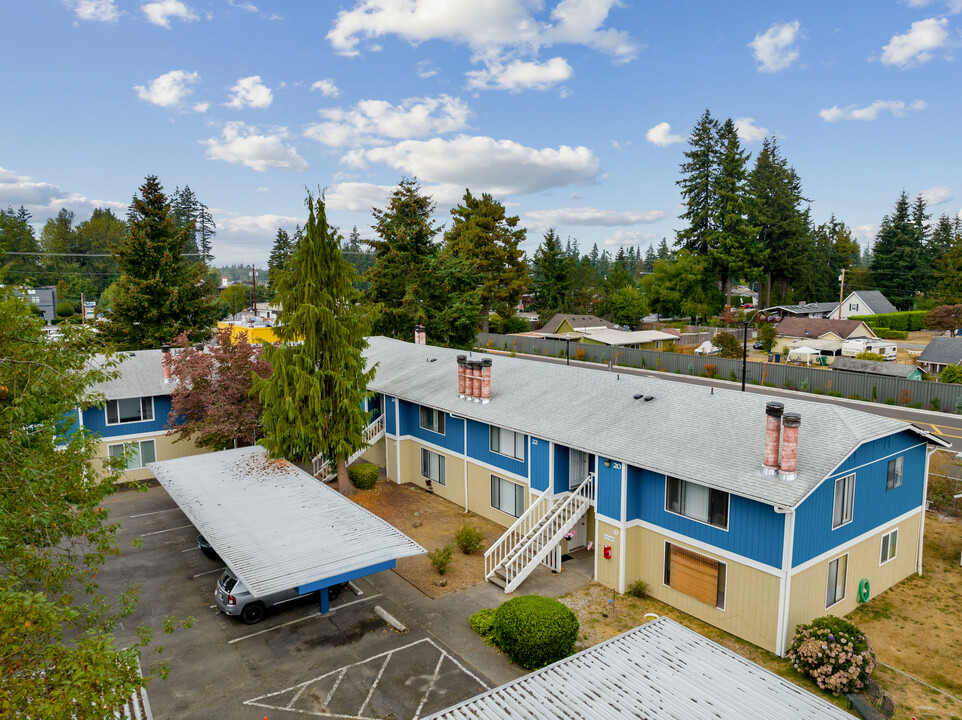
column 106, row 255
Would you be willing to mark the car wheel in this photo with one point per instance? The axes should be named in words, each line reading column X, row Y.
column 334, row 591
column 252, row 613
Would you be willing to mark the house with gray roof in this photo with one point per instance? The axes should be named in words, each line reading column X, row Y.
column 863, row 302
column 940, row 353
column 751, row 515
column 878, row 367
column 566, row 323
column 803, row 310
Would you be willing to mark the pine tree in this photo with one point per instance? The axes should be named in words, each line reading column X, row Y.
column 183, row 210
column 489, row 239
column 206, row 229
column 664, row 252
column 161, row 293
column 279, row 258
column 16, row 235
column 649, row 261
column 354, row 240
column 698, row 185
column 922, row 277
column 313, row 398
column 896, row 254
column 948, row 269
column 551, row 269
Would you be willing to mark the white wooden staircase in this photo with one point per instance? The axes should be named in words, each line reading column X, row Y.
column 536, row 536
column 326, row 470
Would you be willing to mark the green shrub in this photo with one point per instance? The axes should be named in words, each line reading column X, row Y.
column 482, row 622
column 889, row 401
column 935, row 404
column 535, row 631
column 805, row 385
column 66, row 309
column 818, row 391
column 834, row 653
column 364, row 476
column 887, row 334
column 638, row 589
column 906, row 321
column 834, row 393
column 440, row 558
column 469, row 539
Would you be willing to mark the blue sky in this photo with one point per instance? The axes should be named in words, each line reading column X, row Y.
column 572, row 113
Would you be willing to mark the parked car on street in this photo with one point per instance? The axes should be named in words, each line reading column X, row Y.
column 757, row 345
column 234, row 599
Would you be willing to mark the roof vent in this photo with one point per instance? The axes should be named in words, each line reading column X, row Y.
column 639, row 396
column 649, row 398
column 431, row 360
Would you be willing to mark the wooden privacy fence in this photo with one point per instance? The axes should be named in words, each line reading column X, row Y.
column 839, row 383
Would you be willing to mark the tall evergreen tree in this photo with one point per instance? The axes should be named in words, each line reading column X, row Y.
column 698, row 185
column 922, row 276
column 16, row 236
column 161, row 292
column 96, row 236
column 279, row 258
column 314, row 395
column 648, row 264
column 551, row 270
column 490, row 240
column 184, row 207
column 354, row 240
column 896, row 255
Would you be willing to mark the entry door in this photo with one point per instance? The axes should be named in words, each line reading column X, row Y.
column 577, row 468
column 580, row 539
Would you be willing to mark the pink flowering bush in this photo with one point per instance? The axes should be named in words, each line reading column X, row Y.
column 834, row 653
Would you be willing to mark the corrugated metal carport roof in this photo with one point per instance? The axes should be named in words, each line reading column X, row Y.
column 659, row 670
column 274, row 525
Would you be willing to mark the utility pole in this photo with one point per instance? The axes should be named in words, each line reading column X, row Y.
column 841, row 293
column 254, row 290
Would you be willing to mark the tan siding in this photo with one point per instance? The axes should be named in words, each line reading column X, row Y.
column 390, row 459
column 607, row 570
column 809, row 586
column 479, row 494
column 165, row 447
column 452, row 490
column 376, row 454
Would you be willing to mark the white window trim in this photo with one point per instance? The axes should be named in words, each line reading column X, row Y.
column 442, row 482
column 728, row 507
column 900, row 464
column 664, row 554
column 889, row 534
column 153, row 414
column 140, row 452
column 845, row 588
column 498, row 452
column 834, row 485
column 512, row 482
column 438, row 415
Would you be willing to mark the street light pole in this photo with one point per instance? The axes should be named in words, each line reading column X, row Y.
column 568, row 348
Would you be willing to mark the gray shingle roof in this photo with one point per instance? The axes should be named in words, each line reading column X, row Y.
column 943, row 351
column 877, row 302
column 658, row 670
column 686, row 431
column 140, row 375
column 576, row 321
column 873, row 367
column 800, row 327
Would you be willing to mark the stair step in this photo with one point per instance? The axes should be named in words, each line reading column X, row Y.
column 498, row 581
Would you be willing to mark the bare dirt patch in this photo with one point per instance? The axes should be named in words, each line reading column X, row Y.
column 437, row 520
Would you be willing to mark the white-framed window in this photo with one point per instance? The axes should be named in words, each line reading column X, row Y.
column 697, row 502
column 432, row 419
column 432, row 466
column 129, row 410
column 699, row 576
column 894, row 479
column 837, row 572
column 507, row 496
column 853, row 306
column 141, row 452
column 844, row 501
column 890, row 543
column 507, row 442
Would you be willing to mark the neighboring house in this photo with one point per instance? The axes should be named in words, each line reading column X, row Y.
column 45, row 298
column 658, row 670
column 561, row 324
column 863, row 302
column 730, row 513
column 254, row 329
column 878, row 367
column 802, row 310
column 815, row 328
column 134, row 415
column 267, row 310
column 643, row 339
column 940, row 353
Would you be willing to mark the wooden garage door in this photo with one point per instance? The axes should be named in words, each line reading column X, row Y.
column 694, row 574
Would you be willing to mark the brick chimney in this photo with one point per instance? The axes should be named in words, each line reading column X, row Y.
column 165, row 361
column 462, row 360
column 474, row 380
column 789, row 464
column 486, row 380
column 773, row 411
column 420, row 335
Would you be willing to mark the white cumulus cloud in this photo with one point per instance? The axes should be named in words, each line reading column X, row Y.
column 258, row 224
column 95, row 10
column 250, row 92
column 593, row 217
column 630, row 238
column 661, row 136
column 242, row 144
column 501, row 167
column 161, row 11
column 869, row 112
column 373, row 121
column 776, row 48
column 518, row 75
column 170, row 89
column 44, row 200
column 938, row 195
column 748, row 131
column 327, row 87
column 915, row 47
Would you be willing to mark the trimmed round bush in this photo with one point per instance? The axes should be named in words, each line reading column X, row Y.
column 482, row 621
column 364, row 476
column 834, row 653
column 535, row 631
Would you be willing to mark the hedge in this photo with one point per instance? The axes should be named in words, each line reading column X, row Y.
column 887, row 334
column 364, row 476
column 535, row 631
column 908, row 320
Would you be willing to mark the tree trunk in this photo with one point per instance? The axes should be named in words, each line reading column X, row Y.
column 484, row 320
column 344, row 485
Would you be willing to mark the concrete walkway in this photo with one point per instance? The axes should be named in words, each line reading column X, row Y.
column 446, row 617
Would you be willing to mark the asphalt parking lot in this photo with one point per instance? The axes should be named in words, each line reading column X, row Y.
column 346, row 664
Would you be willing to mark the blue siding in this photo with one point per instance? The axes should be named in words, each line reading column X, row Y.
column 873, row 505
column 95, row 420
column 540, row 463
column 389, row 427
column 453, row 438
column 608, row 487
column 560, row 468
column 479, row 448
column 755, row 530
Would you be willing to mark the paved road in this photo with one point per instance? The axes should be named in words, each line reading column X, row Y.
column 946, row 426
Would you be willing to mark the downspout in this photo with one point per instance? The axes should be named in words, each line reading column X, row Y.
column 785, row 580
column 397, row 439
column 623, row 555
column 465, row 460
column 925, row 502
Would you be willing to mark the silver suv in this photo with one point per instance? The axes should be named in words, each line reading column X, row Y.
column 234, row 599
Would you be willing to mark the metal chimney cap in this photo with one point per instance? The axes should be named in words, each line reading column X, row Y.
column 165, row 348
column 486, row 362
column 462, row 359
column 792, row 419
column 774, row 409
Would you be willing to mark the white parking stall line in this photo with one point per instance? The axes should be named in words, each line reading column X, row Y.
column 156, row 512
column 434, row 679
column 209, row 572
column 158, row 532
column 190, row 549
column 327, row 700
column 294, row 622
column 370, row 693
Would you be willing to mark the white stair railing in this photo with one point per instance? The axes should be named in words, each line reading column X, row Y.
column 496, row 554
column 323, row 469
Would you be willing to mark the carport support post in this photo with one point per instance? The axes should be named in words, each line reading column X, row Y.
column 325, row 601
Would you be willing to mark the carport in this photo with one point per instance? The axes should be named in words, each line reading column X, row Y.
column 275, row 526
